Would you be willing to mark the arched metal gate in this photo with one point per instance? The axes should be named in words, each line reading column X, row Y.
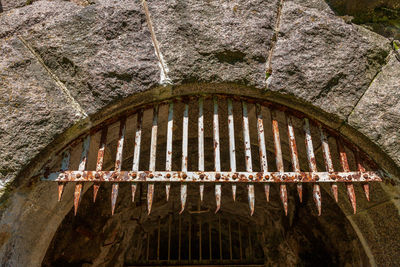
column 217, row 139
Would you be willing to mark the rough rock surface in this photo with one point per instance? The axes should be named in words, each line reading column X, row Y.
column 34, row 110
column 215, row 41
column 323, row 60
column 377, row 114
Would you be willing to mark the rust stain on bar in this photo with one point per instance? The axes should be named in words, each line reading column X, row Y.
column 201, row 143
column 82, row 167
column 64, row 166
column 278, row 158
column 168, row 162
column 217, row 163
column 100, row 159
column 312, row 165
column 262, row 148
column 360, row 167
column 153, row 152
column 184, row 155
column 231, row 132
column 294, row 153
column 345, row 166
column 328, row 160
column 118, row 162
column 248, row 160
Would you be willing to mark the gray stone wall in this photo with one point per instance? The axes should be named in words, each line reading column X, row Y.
column 66, row 66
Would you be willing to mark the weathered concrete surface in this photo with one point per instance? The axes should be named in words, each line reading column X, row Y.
column 323, row 60
column 377, row 114
column 215, row 41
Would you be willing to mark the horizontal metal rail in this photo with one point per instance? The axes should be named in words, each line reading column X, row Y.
column 213, row 177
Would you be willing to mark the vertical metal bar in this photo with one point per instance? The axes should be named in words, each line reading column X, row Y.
column 170, row 126
column 240, row 243
column 179, row 237
column 82, row 167
column 118, row 162
column 328, row 160
column 100, row 159
column 230, row 240
column 153, row 152
column 250, row 246
column 293, row 153
column 360, row 167
column 345, row 166
column 232, row 155
column 279, row 159
column 184, row 154
column 217, row 163
column 158, row 239
column 209, row 239
column 64, row 166
column 190, row 238
column 312, row 164
column 220, row 236
column 247, row 150
column 136, row 152
column 201, row 143
column 200, row 238
column 148, row 246
column 169, row 236
column 262, row 148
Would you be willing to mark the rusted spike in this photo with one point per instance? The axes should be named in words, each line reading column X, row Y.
column 183, row 197
column 247, row 149
column 312, row 164
column 64, row 167
column 317, row 198
column 328, row 159
column 114, row 195
column 279, row 158
column 218, row 197
column 232, row 155
column 251, row 196
column 82, row 167
column 133, row 188
column 266, row 189
column 294, row 154
column 360, row 167
column 153, row 152
column 217, row 163
column 345, row 166
column 284, row 198
column 77, row 196
column 150, row 193
column 201, row 142
column 118, row 161
column 100, row 159
column 168, row 162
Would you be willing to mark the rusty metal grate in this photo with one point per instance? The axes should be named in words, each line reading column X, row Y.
column 251, row 133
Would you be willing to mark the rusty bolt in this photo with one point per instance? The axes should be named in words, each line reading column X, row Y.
column 365, row 176
column 151, row 175
column 217, row 176
column 234, row 177
column 316, row 177
column 251, row 177
column 349, row 177
column 168, row 175
column 267, row 177
column 78, row 175
column 333, row 177
column 97, row 176
column 134, row 175
column 201, row 176
column 184, row 176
